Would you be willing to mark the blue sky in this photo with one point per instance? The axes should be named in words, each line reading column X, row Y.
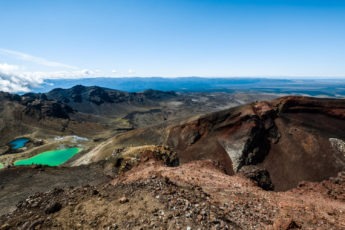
column 77, row 38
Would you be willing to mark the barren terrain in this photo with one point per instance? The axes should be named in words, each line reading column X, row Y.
column 173, row 161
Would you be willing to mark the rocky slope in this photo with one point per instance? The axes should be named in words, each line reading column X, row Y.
column 99, row 95
column 32, row 114
column 291, row 139
column 105, row 101
column 196, row 195
column 148, row 107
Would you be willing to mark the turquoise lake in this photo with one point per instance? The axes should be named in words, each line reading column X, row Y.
column 19, row 143
column 50, row 158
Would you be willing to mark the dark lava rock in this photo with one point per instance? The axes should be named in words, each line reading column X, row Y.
column 99, row 96
column 259, row 175
column 125, row 161
column 41, row 109
column 166, row 155
column 293, row 225
column 53, row 207
column 257, row 145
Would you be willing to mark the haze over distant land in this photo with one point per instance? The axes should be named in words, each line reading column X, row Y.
column 278, row 87
column 77, row 39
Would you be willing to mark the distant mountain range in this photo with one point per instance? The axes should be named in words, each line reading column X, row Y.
column 306, row 87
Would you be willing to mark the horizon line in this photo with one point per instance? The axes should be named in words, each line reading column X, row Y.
column 210, row 77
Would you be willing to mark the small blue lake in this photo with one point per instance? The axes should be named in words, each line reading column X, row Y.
column 19, row 143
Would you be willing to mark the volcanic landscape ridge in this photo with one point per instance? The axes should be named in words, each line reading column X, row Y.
column 174, row 160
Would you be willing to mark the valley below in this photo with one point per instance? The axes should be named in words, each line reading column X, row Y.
column 89, row 157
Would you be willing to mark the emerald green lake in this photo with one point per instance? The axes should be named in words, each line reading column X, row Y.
column 50, row 158
column 1, row 166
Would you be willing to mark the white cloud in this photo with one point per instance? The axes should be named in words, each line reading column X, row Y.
column 61, row 74
column 17, row 78
column 11, row 82
column 13, row 79
column 21, row 71
column 7, row 68
column 33, row 59
column 18, row 83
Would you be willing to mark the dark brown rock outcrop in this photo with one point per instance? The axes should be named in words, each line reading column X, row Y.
column 98, row 95
column 41, row 109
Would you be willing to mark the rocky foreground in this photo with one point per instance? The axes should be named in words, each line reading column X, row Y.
column 196, row 195
column 241, row 168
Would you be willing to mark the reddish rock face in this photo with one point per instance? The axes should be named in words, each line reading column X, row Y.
column 293, row 138
column 310, row 130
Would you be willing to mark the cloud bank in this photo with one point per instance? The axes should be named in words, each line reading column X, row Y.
column 17, row 83
column 14, row 78
column 20, row 72
column 12, row 81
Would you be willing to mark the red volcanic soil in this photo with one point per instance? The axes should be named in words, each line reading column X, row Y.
column 195, row 195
